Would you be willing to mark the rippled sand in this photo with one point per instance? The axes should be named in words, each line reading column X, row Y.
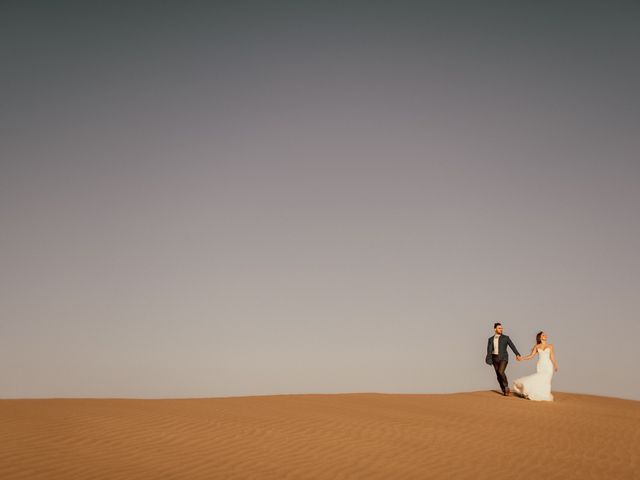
column 334, row 436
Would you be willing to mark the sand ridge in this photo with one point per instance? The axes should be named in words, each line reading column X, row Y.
column 321, row 436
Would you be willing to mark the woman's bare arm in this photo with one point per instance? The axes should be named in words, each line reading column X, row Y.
column 534, row 350
column 553, row 358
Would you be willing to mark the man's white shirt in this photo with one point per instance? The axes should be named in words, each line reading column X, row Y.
column 496, row 339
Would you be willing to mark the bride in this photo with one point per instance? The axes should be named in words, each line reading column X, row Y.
column 538, row 385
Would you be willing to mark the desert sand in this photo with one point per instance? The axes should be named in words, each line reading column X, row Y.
column 322, row 436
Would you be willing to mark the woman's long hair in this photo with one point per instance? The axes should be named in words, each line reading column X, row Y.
column 538, row 339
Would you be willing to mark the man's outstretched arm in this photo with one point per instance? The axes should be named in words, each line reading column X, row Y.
column 513, row 347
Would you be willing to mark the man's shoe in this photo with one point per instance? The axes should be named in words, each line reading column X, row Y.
column 507, row 392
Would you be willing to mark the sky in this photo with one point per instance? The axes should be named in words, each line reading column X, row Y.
column 205, row 199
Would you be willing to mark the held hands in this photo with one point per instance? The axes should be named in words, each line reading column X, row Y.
column 519, row 358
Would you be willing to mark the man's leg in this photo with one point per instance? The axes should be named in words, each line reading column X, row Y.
column 502, row 366
column 499, row 368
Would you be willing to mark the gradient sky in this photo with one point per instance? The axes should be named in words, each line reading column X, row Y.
column 265, row 198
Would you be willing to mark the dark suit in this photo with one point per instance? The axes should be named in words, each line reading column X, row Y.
column 500, row 360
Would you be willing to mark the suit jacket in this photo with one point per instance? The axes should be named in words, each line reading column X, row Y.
column 503, row 355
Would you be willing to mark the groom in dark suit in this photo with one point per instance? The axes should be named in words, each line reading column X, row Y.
column 498, row 356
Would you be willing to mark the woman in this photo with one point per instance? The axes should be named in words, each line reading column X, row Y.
column 538, row 385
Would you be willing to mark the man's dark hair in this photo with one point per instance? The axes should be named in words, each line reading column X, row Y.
column 495, row 325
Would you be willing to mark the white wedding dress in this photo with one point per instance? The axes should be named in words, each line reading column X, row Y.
column 538, row 385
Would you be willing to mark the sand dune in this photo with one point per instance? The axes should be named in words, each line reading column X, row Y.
column 316, row 436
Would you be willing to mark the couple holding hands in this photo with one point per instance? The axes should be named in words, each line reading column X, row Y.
column 536, row 386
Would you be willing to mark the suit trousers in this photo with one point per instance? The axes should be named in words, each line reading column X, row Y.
column 500, row 366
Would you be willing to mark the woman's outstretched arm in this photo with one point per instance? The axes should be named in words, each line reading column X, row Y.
column 534, row 350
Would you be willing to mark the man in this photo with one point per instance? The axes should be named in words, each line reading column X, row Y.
column 498, row 356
